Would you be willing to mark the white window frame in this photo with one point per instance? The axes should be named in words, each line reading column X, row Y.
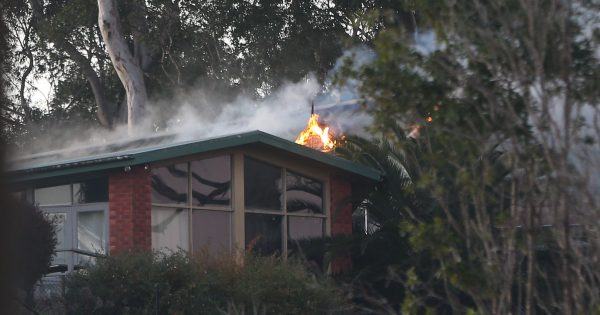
column 72, row 210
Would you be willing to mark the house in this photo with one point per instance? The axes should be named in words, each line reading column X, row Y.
column 244, row 191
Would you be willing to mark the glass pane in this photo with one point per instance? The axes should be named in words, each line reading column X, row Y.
column 55, row 195
column 304, row 195
column 90, row 234
column 263, row 233
column 169, row 228
column 301, row 231
column 59, row 220
column 93, row 190
column 90, row 231
column 262, row 185
column 169, row 184
column 303, row 227
column 211, row 230
column 211, row 181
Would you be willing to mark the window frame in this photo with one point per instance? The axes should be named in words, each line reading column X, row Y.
column 298, row 165
column 189, row 206
column 72, row 210
column 283, row 212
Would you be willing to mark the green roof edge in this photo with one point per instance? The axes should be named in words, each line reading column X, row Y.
column 187, row 148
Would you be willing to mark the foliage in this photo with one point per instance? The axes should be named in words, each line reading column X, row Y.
column 34, row 241
column 227, row 48
column 28, row 242
column 5, row 68
column 138, row 283
column 500, row 106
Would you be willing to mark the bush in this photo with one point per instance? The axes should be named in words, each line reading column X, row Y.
column 144, row 282
column 27, row 242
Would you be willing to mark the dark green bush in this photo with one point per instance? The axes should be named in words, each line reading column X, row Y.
column 142, row 283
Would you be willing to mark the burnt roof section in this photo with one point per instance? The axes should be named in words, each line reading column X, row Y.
column 143, row 151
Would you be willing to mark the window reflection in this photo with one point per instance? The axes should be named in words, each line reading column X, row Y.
column 90, row 234
column 211, row 181
column 304, row 195
column 90, row 231
column 263, row 233
column 93, row 190
column 169, row 228
column 169, row 184
column 262, row 185
column 301, row 230
column 59, row 220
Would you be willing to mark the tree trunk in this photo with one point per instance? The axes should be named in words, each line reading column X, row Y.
column 127, row 66
column 102, row 112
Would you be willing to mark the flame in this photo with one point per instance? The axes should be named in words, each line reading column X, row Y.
column 316, row 137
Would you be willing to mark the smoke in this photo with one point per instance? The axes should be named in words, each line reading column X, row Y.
column 200, row 112
column 283, row 113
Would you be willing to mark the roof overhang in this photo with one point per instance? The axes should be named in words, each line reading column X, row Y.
column 141, row 156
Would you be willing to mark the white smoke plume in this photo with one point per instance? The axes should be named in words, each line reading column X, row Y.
column 200, row 113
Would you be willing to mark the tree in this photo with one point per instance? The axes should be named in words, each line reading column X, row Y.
column 505, row 99
column 5, row 68
column 127, row 65
column 229, row 48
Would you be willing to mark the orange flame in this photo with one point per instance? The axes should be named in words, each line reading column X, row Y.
column 315, row 137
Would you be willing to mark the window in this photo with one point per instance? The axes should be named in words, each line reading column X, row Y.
column 90, row 191
column 211, row 181
column 170, row 184
column 82, row 192
column 280, row 212
column 79, row 213
column 211, row 230
column 191, row 205
column 53, row 196
column 169, row 228
column 303, row 194
column 263, row 233
column 262, row 185
column 59, row 219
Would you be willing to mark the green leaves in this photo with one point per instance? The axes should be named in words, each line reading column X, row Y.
column 139, row 283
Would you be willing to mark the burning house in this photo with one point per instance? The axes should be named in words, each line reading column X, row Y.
column 244, row 191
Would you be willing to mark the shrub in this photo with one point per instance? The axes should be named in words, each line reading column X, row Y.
column 144, row 282
column 27, row 242
column 30, row 242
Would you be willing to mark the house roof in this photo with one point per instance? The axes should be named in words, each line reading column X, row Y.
column 143, row 151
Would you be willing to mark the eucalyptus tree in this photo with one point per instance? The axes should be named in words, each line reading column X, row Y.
column 228, row 47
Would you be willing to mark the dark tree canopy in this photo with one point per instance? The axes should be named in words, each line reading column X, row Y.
column 230, row 48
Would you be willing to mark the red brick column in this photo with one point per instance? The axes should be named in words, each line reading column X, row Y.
column 341, row 217
column 129, row 202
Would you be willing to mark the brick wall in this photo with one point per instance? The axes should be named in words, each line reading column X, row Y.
column 129, row 198
column 341, row 217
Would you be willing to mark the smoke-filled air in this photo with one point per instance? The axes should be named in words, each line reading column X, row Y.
column 198, row 113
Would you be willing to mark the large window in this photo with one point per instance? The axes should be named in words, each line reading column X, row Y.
column 194, row 206
column 278, row 213
column 191, row 205
column 79, row 212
